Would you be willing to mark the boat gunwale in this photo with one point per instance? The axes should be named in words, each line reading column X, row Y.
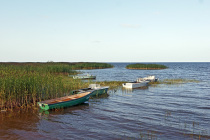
column 50, row 102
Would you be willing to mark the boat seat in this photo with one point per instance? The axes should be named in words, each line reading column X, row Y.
column 56, row 101
column 71, row 98
column 68, row 99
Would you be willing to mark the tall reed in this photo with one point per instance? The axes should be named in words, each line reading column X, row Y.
column 91, row 66
column 23, row 84
column 23, row 88
column 145, row 66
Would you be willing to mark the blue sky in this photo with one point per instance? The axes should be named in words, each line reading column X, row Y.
column 105, row 30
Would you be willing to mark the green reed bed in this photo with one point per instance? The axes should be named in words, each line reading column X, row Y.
column 54, row 67
column 91, row 66
column 174, row 81
column 178, row 81
column 23, row 89
column 39, row 67
column 24, row 84
column 146, row 66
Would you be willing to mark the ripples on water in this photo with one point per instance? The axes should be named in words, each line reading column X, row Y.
column 163, row 112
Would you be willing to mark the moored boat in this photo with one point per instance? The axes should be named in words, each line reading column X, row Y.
column 150, row 78
column 95, row 89
column 87, row 76
column 98, row 89
column 66, row 101
column 135, row 84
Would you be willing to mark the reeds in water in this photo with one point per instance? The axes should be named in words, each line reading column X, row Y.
column 145, row 66
column 91, row 66
column 178, row 81
column 24, row 84
column 174, row 81
column 23, row 89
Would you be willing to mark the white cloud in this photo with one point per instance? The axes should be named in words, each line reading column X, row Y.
column 130, row 25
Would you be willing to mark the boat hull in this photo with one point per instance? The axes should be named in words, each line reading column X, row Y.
column 135, row 85
column 48, row 106
column 148, row 78
column 98, row 92
column 84, row 77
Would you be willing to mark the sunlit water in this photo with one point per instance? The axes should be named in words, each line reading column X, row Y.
column 160, row 112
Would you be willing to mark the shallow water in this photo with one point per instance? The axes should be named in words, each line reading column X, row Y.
column 158, row 112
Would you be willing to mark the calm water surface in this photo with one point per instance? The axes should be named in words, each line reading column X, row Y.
column 164, row 112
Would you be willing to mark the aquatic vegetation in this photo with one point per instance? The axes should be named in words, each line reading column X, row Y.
column 149, row 135
column 146, row 66
column 54, row 67
column 174, row 81
column 74, row 84
column 24, row 84
column 86, row 65
column 178, row 81
column 23, row 89
column 111, row 84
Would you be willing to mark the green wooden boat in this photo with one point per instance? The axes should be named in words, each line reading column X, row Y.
column 95, row 89
column 98, row 90
column 66, row 101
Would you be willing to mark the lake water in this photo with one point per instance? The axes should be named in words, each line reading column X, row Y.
column 163, row 112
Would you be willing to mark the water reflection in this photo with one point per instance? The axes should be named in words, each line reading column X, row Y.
column 16, row 124
column 68, row 110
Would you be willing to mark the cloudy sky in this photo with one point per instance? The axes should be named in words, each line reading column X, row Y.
column 105, row 30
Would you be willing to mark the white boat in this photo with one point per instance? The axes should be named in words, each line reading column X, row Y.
column 150, row 78
column 87, row 76
column 135, row 84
